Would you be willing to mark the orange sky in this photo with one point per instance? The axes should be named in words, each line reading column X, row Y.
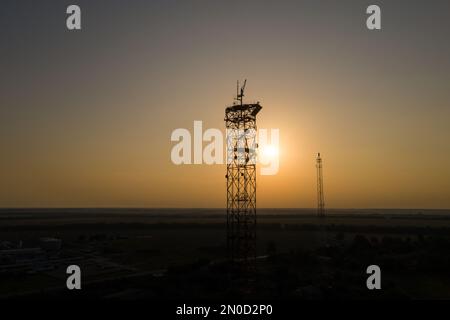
column 86, row 118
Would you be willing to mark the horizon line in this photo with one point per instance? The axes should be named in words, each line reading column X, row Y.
column 207, row 208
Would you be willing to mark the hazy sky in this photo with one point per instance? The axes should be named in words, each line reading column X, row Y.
column 86, row 116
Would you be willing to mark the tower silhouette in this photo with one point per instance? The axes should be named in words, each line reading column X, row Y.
column 240, row 122
column 320, row 196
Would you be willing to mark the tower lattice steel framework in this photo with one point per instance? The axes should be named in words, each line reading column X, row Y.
column 240, row 121
column 320, row 197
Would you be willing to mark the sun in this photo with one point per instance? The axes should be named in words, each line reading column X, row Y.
column 269, row 151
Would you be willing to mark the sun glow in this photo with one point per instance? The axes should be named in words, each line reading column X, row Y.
column 269, row 152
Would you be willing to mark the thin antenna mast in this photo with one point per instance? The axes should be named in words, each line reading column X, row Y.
column 240, row 96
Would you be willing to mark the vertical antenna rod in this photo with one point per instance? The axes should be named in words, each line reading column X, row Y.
column 240, row 96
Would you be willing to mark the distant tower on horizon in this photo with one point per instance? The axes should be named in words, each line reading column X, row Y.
column 240, row 122
column 320, row 197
